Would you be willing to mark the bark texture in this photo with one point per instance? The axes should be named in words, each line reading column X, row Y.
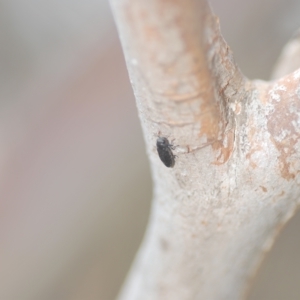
column 236, row 179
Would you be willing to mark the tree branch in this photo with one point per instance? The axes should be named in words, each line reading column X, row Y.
column 289, row 60
column 235, row 180
column 171, row 61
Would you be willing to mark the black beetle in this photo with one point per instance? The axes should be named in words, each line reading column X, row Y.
column 164, row 150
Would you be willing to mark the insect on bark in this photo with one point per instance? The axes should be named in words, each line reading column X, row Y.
column 164, row 150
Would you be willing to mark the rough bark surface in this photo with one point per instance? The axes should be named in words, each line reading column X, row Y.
column 236, row 178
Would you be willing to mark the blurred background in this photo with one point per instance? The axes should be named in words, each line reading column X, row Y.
column 75, row 185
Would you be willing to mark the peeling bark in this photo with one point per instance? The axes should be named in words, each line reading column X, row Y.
column 235, row 182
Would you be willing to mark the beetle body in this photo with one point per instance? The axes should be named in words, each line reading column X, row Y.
column 164, row 150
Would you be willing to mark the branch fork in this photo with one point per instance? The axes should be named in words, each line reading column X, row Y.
column 218, row 211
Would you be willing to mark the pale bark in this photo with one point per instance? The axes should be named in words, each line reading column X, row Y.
column 236, row 178
column 289, row 60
